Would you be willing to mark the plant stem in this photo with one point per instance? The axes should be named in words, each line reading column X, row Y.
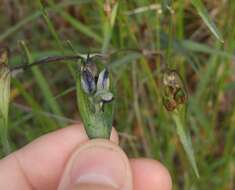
column 4, row 136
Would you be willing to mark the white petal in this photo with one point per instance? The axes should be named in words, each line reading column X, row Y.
column 103, row 80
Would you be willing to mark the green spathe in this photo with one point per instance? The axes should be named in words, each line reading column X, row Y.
column 95, row 108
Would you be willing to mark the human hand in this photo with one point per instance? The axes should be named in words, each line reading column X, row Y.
column 67, row 160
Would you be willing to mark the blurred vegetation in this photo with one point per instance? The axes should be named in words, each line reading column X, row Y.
column 188, row 35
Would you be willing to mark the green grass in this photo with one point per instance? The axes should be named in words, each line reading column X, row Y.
column 187, row 33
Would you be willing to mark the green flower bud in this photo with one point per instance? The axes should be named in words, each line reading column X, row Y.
column 103, row 96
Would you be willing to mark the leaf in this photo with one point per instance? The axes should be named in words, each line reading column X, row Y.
column 19, row 25
column 202, row 11
column 42, row 83
column 185, row 142
column 108, row 28
column 83, row 28
column 198, row 47
column 114, row 14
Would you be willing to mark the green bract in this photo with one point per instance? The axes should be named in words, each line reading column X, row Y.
column 94, row 100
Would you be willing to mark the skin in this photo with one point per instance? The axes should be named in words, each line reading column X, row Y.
column 46, row 163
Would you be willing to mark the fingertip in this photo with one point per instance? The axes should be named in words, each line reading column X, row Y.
column 98, row 162
column 150, row 174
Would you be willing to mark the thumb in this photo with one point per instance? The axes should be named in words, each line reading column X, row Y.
column 97, row 165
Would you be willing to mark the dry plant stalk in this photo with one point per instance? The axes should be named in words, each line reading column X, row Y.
column 4, row 98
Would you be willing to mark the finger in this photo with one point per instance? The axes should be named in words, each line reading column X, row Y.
column 150, row 174
column 97, row 164
column 40, row 164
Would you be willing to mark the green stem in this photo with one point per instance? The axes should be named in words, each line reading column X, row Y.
column 4, row 136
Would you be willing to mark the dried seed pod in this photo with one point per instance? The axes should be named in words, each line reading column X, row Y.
column 87, row 81
column 172, row 79
column 174, row 92
column 180, row 96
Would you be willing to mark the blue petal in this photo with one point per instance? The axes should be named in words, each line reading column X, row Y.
column 87, row 81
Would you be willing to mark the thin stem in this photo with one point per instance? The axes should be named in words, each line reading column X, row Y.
column 46, row 60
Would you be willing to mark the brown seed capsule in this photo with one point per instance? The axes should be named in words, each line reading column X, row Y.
column 170, row 105
column 174, row 92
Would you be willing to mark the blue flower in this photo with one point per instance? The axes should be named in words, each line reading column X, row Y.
column 99, row 91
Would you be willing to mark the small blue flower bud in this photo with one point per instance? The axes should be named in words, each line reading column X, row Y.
column 87, row 81
column 103, row 80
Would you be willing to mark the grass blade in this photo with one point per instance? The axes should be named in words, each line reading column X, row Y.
column 43, row 84
column 80, row 27
column 185, row 142
column 16, row 27
column 50, row 26
column 198, row 47
column 108, row 28
column 202, row 11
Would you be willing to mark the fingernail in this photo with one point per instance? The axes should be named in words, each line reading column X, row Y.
column 100, row 162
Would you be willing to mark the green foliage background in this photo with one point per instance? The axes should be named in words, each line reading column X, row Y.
column 195, row 37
